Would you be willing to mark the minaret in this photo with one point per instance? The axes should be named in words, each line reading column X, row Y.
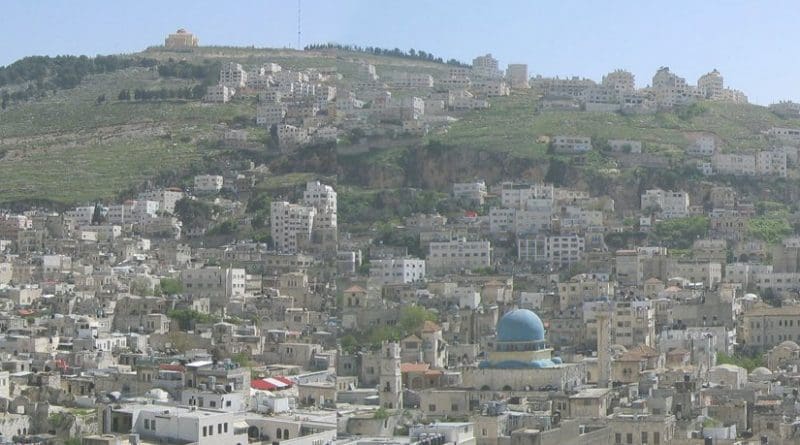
column 391, row 386
column 603, row 346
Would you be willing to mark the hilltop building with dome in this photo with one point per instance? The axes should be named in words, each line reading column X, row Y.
column 520, row 359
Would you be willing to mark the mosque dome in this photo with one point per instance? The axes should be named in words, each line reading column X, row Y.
column 520, row 325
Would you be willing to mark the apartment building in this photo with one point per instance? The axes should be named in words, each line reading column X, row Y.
column 207, row 183
column 571, row 144
column 458, row 254
column 219, row 285
column 668, row 203
column 521, row 196
column 396, row 271
column 710, row 84
column 486, row 66
column 584, row 287
column 620, row 81
column 470, row 191
column 268, row 113
column 166, row 198
column 232, row 75
column 555, row 251
column 517, row 76
column 766, row 327
column 219, row 93
column 291, row 225
column 323, row 198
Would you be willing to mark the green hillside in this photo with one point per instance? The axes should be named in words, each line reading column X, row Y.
column 82, row 144
column 513, row 125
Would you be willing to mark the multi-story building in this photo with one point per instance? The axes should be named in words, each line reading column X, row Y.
column 323, row 198
column 268, row 113
column 470, row 191
column 764, row 327
column 486, row 66
column 232, row 75
column 291, row 225
column 166, row 198
column 670, row 89
column 521, row 196
column 620, row 81
column 710, row 85
column 219, row 93
column 458, row 254
column 743, row 164
column 571, row 144
column 570, row 87
column 584, row 287
column 396, row 271
column 668, row 203
column 181, row 39
column 517, row 76
column 771, row 163
column 207, row 183
column 219, row 285
column 556, row 251
column 633, row 322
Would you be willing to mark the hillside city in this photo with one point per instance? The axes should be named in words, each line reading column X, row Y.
column 339, row 273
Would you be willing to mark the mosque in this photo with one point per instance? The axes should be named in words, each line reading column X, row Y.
column 521, row 360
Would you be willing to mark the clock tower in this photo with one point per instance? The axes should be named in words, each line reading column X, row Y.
column 391, row 385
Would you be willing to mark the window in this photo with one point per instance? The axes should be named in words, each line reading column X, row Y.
column 227, row 404
column 147, row 424
column 219, row 428
column 656, row 438
column 280, row 434
column 225, row 427
column 629, row 438
column 153, row 424
column 205, row 431
column 431, row 407
column 618, row 438
column 454, row 407
column 644, row 437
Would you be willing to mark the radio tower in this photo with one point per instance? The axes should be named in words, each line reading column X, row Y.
column 298, row 26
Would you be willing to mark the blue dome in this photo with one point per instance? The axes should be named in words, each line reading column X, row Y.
column 520, row 325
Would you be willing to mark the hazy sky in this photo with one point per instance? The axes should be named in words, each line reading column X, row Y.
column 750, row 42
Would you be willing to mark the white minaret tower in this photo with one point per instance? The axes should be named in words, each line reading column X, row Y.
column 391, row 386
column 604, row 347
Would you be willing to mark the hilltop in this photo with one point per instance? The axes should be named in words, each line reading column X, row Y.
column 82, row 144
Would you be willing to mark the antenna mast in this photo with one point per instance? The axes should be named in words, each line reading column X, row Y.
column 298, row 26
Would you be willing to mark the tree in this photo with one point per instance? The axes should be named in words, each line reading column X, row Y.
column 193, row 213
column 171, row 286
column 98, row 217
column 413, row 317
column 101, row 99
column 681, row 233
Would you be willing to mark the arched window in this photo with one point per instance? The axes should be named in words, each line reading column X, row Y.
column 285, row 433
column 280, row 434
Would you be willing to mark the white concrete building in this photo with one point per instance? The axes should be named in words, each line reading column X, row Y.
column 291, row 225
column 517, row 76
column 323, row 198
column 457, row 255
column 215, row 283
column 471, row 191
column 270, row 113
column 486, row 66
column 219, row 93
column 232, row 75
column 556, row 251
column 166, row 198
column 571, row 144
column 207, row 183
column 620, row 81
column 669, row 204
column 521, row 196
column 396, row 271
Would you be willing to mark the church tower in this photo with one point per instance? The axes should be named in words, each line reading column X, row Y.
column 391, row 385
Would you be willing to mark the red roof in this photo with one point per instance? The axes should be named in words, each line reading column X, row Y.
column 414, row 367
column 271, row 383
column 471, row 214
column 169, row 367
